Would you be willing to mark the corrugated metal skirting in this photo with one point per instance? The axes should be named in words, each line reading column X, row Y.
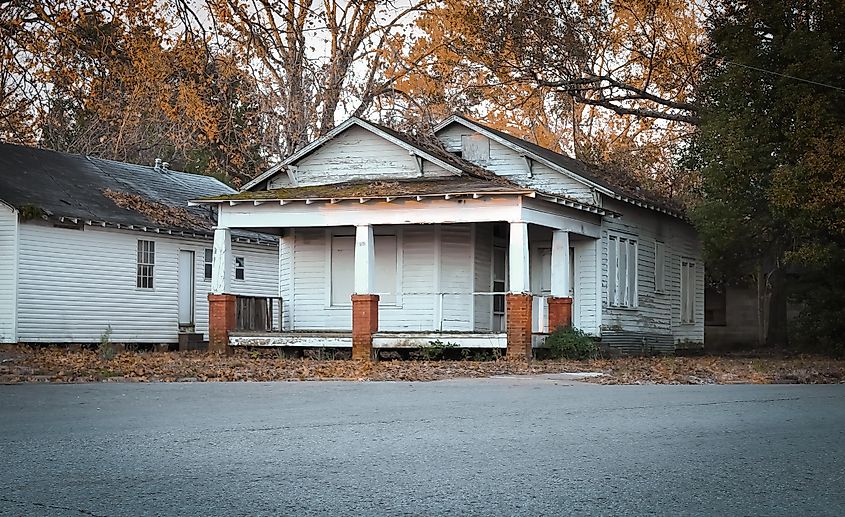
column 638, row 343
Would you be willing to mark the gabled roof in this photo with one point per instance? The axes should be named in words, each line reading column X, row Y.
column 430, row 151
column 579, row 170
column 82, row 188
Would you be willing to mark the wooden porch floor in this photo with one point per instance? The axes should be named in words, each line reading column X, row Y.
column 343, row 339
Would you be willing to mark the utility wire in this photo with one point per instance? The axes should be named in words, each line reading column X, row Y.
column 784, row 75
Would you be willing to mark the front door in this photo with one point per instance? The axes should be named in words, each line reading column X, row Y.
column 186, row 288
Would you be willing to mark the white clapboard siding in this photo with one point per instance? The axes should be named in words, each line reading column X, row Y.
column 286, row 278
column 584, row 303
column 507, row 162
column 74, row 284
column 358, row 154
column 8, row 273
column 656, row 313
column 483, row 277
column 419, row 270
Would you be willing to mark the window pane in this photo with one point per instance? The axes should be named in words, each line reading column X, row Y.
column 659, row 261
column 209, row 255
column 612, row 269
column 622, row 268
column 683, row 291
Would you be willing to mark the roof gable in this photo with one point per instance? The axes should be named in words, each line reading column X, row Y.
column 415, row 150
column 571, row 167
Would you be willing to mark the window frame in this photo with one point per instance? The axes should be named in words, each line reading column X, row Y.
column 687, row 290
column 622, row 295
column 240, row 267
column 659, row 267
column 145, row 261
column 208, row 260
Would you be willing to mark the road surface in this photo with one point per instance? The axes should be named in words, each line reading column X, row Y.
column 502, row 446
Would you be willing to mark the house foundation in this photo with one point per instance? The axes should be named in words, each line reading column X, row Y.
column 364, row 325
column 519, row 326
column 560, row 312
column 222, row 318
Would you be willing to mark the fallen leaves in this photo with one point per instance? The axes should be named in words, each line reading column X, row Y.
column 55, row 364
column 158, row 213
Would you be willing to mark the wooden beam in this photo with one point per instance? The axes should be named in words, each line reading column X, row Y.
column 518, row 264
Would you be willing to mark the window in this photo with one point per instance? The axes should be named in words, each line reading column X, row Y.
column 659, row 267
column 621, row 271
column 209, row 257
column 687, row 291
column 343, row 269
column 239, row 268
column 475, row 148
column 145, row 264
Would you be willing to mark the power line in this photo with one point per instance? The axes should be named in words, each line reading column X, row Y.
column 785, row 75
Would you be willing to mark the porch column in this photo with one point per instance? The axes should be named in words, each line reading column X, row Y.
column 560, row 303
column 364, row 302
column 221, row 303
column 518, row 298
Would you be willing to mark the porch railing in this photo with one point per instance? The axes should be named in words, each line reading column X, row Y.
column 258, row 313
column 540, row 309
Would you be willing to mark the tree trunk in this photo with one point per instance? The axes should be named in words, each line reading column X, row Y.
column 771, row 307
column 776, row 334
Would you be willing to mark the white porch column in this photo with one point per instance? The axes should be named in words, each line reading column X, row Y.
column 221, row 262
column 518, row 272
column 560, row 264
column 364, row 260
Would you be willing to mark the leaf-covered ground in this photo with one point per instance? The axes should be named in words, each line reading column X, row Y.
column 23, row 364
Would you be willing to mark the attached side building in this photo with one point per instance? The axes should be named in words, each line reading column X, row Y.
column 88, row 245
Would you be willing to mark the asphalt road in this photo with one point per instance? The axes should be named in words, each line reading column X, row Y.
column 485, row 447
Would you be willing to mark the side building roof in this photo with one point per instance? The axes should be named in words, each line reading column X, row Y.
column 55, row 186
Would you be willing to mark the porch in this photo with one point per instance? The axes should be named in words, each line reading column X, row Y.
column 472, row 269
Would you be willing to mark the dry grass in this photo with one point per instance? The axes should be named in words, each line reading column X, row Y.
column 54, row 364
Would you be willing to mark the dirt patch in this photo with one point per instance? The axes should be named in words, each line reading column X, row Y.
column 54, row 364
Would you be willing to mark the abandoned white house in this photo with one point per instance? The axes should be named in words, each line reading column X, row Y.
column 472, row 237
column 89, row 244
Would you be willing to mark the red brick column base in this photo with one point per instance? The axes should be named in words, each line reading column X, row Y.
column 364, row 324
column 560, row 313
column 519, row 326
column 221, row 319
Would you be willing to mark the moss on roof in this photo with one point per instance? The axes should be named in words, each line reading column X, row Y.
column 357, row 189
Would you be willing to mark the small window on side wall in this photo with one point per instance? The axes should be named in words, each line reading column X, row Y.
column 239, row 268
column 209, row 257
column 145, row 264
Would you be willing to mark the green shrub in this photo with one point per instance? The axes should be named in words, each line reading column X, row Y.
column 571, row 343
column 106, row 349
